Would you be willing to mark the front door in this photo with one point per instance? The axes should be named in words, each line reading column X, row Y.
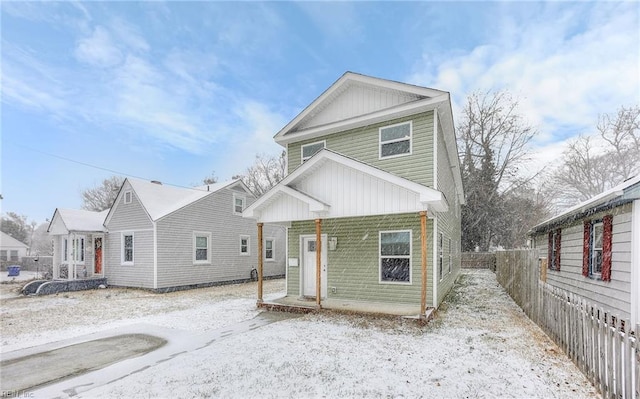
column 97, row 255
column 309, row 266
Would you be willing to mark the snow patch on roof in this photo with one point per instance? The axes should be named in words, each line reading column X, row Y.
column 82, row 220
column 7, row 241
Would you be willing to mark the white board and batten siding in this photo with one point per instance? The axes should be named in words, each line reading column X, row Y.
column 130, row 218
column 213, row 215
column 613, row 296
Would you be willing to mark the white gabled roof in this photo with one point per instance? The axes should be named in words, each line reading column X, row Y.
column 331, row 111
column 331, row 185
column 160, row 200
column 67, row 220
column 6, row 241
column 618, row 192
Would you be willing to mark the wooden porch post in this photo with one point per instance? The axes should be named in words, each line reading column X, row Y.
column 260, row 261
column 423, row 246
column 318, row 261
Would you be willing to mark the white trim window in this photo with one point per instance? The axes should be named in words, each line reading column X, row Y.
column 244, row 245
column 4, row 255
column 127, row 244
column 395, row 140
column 309, row 150
column 440, row 255
column 77, row 249
column 201, row 247
column 128, row 197
column 65, row 249
column 239, row 203
column 269, row 249
column 596, row 249
column 395, row 256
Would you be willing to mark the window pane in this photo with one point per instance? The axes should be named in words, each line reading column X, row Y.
column 268, row 254
column 14, row 255
column 399, row 147
column 201, row 254
column 268, row 244
column 395, row 269
column 239, row 205
column 597, row 236
column 3, row 255
column 597, row 261
column 395, row 132
column 311, row 246
column 201, row 242
column 395, row 243
column 128, row 255
column 310, row 149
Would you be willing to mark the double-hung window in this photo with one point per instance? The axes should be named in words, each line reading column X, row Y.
column 238, row 204
column 395, row 256
column 268, row 249
column 309, row 150
column 244, row 245
column 3, row 255
column 597, row 248
column 201, row 247
column 395, row 140
column 127, row 249
column 77, row 245
column 555, row 239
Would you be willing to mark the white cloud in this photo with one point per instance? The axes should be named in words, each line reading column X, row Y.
column 566, row 67
column 98, row 49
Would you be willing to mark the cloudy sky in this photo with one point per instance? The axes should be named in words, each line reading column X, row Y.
column 172, row 91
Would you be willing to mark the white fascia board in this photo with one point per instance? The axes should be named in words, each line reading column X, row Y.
column 314, row 205
column 363, row 120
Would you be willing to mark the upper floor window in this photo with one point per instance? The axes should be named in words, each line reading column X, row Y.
column 127, row 197
column 238, row 204
column 395, row 140
column 309, row 150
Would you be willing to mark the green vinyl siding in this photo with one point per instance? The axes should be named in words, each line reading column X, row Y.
column 353, row 268
column 362, row 145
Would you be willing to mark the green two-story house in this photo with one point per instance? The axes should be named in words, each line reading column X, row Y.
column 371, row 200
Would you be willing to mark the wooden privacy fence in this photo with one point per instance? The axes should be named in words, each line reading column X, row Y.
column 603, row 346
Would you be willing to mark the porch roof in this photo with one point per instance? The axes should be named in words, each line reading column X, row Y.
column 79, row 220
column 331, row 185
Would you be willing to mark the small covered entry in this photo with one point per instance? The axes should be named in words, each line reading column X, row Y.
column 364, row 231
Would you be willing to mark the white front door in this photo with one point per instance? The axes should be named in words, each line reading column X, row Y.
column 309, row 266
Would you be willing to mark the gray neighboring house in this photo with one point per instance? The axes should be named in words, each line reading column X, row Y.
column 11, row 249
column 593, row 250
column 164, row 238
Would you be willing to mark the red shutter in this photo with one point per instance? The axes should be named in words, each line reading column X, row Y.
column 586, row 240
column 558, row 249
column 607, row 233
column 550, row 251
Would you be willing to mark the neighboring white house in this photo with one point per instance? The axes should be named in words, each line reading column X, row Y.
column 11, row 249
column 164, row 238
column 593, row 250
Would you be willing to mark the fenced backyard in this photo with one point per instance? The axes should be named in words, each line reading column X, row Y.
column 601, row 344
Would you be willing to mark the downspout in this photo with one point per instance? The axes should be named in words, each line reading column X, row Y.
column 155, row 255
column 435, row 219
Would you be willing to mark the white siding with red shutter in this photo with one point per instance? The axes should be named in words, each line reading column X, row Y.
column 613, row 296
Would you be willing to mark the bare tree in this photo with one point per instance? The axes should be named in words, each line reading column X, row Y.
column 16, row 226
column 265, row 173
column 211, row 179
column 494, row 139
column 41, row 243
column 591, row 166
column 103, row 196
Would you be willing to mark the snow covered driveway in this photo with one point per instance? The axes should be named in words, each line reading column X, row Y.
column 480, row 345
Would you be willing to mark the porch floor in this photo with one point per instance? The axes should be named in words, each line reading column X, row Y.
column 294, row 303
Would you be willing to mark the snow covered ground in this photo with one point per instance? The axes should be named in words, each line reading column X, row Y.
column 479, row 346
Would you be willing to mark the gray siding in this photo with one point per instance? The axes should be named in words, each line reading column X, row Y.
column 212, row 214
column 362, row 144
column 448, row 222
column 614, row 295
column 353, row 268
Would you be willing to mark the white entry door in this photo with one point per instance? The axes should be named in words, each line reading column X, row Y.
column 309, row 266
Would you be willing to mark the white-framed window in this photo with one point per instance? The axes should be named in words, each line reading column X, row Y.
column 65, row 250
column 3, row 255
column 127, row 253
column 13, row 255
column 127, row 197
column 450, row 258
column 309, row 150
column 596, row 249
column 395, row 140
column 201, row 247
column 244, row 245
column 440, row 254
column 77, row 249
column 238, row 204
column 269, row 249
column 395, row 256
